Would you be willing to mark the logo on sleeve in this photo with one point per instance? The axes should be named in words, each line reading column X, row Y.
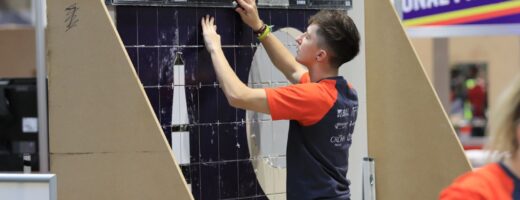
column 343, row 113
column 337, row 140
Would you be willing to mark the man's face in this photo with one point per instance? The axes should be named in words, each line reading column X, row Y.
column 308, row 48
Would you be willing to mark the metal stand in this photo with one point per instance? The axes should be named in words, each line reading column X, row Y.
column 41, row 84
column 369, row 179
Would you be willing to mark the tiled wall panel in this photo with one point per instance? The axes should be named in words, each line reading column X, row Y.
column 220, row 166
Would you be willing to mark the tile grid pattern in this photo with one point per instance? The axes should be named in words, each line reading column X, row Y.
column 295, row 4
column 220, row 165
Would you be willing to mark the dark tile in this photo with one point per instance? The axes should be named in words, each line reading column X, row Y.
column 228, row 180
column 195, row 181
column 278, row 18
column 205, row 70
column 208, row 110
column 148, row 69
column 132, row 53
column 126, row 19
column 241, row 115
column 265, row 15
column 309, row 14
column 191, row 62
column 260, row 192
column 296, row 19
column 246, row 179
column 209, row 184
column 153, row 97
column 243, row 34
column 192, row 101
column 188, row 26
column 229, row 53
column 261, row 198
column 248, row 198
column 186, row 171
column 201, row 12
column 166, row 101
column 167, row 130
column 194, row 143
column 208, row 143
column 243, row 151
column 327, row 4
column 225, row 21
column 166, row 62
column 227, row 142
column 147, row 26
column 226, row 113
column 244, row 57
column 167, row 25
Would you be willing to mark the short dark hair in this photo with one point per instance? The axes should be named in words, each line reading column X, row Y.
column 339, row 33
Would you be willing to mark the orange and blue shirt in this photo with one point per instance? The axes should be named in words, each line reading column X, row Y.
column 323, row 115
column 491, row 182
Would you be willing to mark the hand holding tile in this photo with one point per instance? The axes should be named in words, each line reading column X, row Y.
column 249, row 14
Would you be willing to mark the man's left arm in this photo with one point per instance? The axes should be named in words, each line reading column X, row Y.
column 237, row 93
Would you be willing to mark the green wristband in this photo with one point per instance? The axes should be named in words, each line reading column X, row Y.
column 265, row 33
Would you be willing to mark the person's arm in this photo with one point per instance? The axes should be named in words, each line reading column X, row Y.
column 237, row 93
column 283, row 59
column 277, row 52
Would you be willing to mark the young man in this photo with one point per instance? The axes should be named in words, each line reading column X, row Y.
column 321, row 105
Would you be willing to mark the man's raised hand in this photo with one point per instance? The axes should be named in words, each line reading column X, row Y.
column 209, row 32
column 249, row 13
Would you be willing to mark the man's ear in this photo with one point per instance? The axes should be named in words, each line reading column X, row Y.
column 321, row 55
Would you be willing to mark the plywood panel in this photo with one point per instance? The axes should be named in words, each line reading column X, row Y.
column 424, row 49
column 105, row 141
column 141, row 175
column 409, row 135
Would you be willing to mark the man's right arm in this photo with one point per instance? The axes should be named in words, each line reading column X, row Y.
column 277, row 52
column 283, row 59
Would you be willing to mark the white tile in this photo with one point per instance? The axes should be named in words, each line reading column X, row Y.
column 279, row 180
column 181, row 147
column 265, row 137
column 280, row 135
column 276, row 197
column 179, row 107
